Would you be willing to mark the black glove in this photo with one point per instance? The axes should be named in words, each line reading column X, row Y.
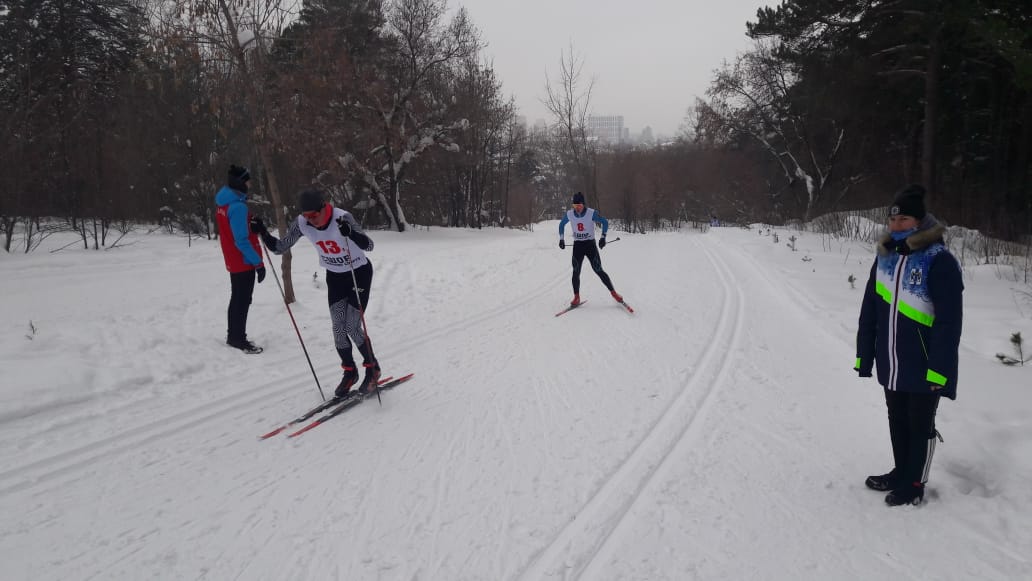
column 269, row 240
column 863, row 373
column 261, row 273
column 562, row 245
column 257, row 226
column 602, row 242
column 344, row 227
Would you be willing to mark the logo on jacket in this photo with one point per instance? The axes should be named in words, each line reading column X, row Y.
column 915, row 277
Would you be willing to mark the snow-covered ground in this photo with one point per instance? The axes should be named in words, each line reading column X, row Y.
column 717, row 433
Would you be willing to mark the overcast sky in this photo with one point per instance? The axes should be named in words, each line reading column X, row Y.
column 650, row 58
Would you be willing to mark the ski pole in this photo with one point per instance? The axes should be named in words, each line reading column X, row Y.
column 268, row 259
column 608, row 242
column 361, row 309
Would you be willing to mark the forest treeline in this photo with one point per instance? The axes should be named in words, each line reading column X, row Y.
column 115, row 111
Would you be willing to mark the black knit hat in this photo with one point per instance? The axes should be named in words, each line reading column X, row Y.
column 310, row 201
column 578, row 198
column 238, row 177
column 909, row 202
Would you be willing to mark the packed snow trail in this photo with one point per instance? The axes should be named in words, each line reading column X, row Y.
column 716, row 433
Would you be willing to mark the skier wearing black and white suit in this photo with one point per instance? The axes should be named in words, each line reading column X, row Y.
column 341, row 244
column 910, row 325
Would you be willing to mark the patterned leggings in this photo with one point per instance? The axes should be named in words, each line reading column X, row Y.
column 346, row 306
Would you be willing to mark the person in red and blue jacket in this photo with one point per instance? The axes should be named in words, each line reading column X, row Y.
column 910, row 324
column 242, row 254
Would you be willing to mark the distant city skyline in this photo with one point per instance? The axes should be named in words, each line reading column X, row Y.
column 650, row 60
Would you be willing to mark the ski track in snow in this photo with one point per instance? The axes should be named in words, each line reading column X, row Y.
column 66, row 463
column 600, row 445
column 572, row 551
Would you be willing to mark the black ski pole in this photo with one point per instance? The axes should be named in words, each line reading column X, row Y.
column 268, row 259
column 361, row 311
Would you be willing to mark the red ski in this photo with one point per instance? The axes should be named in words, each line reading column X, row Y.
column 324, row 405
column 350, row 403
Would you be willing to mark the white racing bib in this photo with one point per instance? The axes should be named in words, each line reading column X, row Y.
column 584, row 226
column 336, row 252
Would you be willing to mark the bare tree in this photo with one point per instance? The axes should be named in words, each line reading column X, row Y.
column 409, row 99
column 569, row 101
column 752, row 97
column 237, row 36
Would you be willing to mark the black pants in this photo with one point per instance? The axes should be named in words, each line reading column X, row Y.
column 242, row 285
column 587, row 248
column 912, row 430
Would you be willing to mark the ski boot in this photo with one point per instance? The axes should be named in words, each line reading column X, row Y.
column 349, row 379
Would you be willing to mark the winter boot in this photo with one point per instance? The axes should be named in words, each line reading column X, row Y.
column 244, row 345
column 372, row 376
column 576, row 300
column 883, row 482
column 616, row 296
column 906, row 494
column 349, row 379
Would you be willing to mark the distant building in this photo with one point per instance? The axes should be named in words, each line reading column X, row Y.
column 608, row 128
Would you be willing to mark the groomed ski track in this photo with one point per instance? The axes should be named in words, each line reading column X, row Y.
column 589, row 446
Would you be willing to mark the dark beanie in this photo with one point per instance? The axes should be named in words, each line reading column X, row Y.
column 238, row 177
column 909, row 202
column 578, row 198
column 310, row 201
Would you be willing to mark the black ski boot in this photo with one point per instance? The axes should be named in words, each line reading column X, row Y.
column 349, row 379
column 372, row 376
column 906, row 494
column 372, row 369
column 884, row 482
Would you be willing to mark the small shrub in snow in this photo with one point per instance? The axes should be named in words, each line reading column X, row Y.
column 1016, row 341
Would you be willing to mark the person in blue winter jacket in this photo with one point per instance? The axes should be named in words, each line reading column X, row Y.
column 910, row 324
column 242, row 255
column 582, row 222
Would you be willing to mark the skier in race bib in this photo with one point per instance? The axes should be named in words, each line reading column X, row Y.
column 341, row 244
column 582, row 222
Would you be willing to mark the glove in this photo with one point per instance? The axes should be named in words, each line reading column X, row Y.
column 562, row 245
column 257, row 226
column 261, row 273
column 602, row 242
column 344, row 227
column 863, row 373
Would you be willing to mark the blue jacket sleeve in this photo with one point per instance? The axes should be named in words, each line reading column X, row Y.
column 946, row 288
column 603, row 221
column 237, row 214
column 867, row 333
column 562, row 225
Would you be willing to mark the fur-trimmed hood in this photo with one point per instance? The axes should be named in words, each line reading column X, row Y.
column 929, row 231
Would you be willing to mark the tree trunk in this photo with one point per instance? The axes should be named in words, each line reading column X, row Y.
column 259, row 123
column 931, row 114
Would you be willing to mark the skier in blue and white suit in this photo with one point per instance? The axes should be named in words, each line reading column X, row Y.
column 582, row 221
column 910, row 324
